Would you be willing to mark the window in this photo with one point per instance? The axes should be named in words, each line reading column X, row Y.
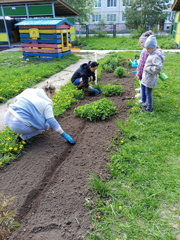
column 97, row 3
column 111, row 17
column 123, row 17
column 126, row 2
column 96, row 18
column 111, row 3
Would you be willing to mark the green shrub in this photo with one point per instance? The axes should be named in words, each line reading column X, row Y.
column 137, row 33
column 96, row 111
column 112, row 90
column 120, row 72
column 111, row 64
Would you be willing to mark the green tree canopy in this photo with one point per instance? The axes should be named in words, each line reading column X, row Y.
column 84, row 7
column 144, row 13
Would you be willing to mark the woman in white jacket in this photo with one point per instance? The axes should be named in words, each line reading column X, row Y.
column 32, row 113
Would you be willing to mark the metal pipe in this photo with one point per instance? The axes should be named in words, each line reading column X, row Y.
column 9, row 43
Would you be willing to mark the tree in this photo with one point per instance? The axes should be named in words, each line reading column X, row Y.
column 84, row 7
column 145, row 13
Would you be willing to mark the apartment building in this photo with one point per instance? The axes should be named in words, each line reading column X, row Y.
column 111, row 11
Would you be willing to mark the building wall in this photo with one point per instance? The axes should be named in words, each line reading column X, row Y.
column 176, row 29
column 107, row 13
column 169, row 21
column 102, row 12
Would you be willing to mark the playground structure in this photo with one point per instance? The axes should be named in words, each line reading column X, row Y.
column 176, row 29
column 45, row 38
column 14, row 11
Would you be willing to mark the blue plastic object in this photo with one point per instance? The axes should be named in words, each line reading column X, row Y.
column 134, row 64
column 95, row 90
column 68, row 138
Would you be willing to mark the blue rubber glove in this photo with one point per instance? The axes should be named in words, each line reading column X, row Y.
column 68, row 138
column 95, row 90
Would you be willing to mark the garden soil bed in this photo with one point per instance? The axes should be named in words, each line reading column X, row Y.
column 50, row 178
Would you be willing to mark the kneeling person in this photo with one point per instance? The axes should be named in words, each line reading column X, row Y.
column 84, row 74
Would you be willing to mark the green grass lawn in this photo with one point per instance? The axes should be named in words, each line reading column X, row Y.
column 141, row 201
column 119, row 43
column 17, row 74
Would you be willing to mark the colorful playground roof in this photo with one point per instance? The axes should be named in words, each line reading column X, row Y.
column 44, row 22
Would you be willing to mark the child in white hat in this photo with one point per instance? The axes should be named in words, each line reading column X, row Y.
column 152, row 69
column 143, row 57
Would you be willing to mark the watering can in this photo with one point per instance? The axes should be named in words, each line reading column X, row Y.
column 132, row 72
column 163, row 76
column 134, row 64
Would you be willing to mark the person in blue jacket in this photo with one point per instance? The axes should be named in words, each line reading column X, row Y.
column 32, row 113
column 84, row 74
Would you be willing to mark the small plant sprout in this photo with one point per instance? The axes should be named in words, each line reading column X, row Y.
column 7, row 222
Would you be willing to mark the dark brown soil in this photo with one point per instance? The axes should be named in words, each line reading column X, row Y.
column 50, row 178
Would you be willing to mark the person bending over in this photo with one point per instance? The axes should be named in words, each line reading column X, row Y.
column 32, row 113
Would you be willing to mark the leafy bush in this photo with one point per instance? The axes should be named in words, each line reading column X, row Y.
column 137, row 33
column 113, row 61
column 111, row 64
column 7, row 222
column 120, row 72
column 95, row 111
column 112, row 90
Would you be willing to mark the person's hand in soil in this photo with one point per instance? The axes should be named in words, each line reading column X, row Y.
column 68, row 138
column 95, row 90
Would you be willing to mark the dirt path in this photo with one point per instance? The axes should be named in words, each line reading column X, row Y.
column 50, row 178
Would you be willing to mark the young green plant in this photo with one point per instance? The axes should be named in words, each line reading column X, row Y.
column 96, row 111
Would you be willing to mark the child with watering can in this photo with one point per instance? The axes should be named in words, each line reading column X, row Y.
column 152, row 69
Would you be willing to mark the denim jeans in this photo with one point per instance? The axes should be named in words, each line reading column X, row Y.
column 149, row 98
column 21, row 128
column 143, row 93
column 77, row 82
